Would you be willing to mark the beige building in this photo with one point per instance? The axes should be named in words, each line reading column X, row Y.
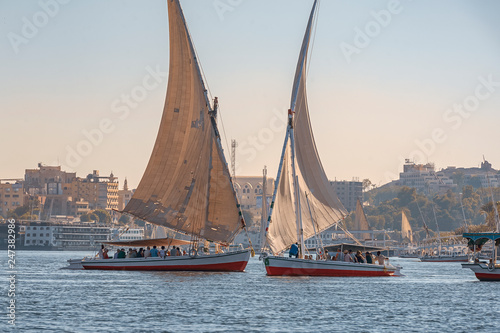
column 63, row 193
column 11, row 196
column 99, row 192
column 249, row 192
column 47, row 180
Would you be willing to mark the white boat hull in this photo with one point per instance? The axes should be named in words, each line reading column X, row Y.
column 225, row 262
column 282, row 266
column 484, row 272
column 463, row 258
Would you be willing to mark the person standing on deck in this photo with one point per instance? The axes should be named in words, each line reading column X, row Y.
column 294, row 250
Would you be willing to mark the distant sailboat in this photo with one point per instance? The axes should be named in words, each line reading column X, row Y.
column 304, row 203
column 361, row 222
column 187, row 186
column 406, row 232
column 407, row 237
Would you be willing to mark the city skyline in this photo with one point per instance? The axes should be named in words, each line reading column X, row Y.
column 85, row 87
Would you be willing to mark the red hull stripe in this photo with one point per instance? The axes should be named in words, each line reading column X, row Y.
column 238, row 266
column 287, row 271
column 488, row 276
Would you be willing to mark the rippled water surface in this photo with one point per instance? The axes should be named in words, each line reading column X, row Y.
column 432, row 297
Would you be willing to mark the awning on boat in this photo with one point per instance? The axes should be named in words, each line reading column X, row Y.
column 149, row 242
column 478, row 239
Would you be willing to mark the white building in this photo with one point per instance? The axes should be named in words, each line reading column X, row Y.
column 423, row 177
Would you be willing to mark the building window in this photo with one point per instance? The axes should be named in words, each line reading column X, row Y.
column 27, row 235
column 47, row 235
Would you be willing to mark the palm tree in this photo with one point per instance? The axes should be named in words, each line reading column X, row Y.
column 489, row 211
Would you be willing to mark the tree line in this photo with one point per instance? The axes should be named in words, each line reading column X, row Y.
column 449, row 211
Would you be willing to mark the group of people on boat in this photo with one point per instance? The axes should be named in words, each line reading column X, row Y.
column 148, row 252
column 350, row 256
column 346, row 256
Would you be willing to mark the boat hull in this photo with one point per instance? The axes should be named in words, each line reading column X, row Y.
column 484, row 272
column 226, row 262
column 445, row 259
column 282, row 266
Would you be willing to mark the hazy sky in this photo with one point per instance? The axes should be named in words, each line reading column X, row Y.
column 82, row 82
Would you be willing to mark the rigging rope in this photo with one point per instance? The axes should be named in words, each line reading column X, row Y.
column 207, row 86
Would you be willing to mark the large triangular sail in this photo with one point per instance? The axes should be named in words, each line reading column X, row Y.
column 360, row 221
column 301, row 172
column 406, row 232
column 187, row 185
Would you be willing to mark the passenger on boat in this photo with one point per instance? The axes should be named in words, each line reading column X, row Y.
column 105, row 254
column 115, row 256
column 154, row 251
column 121, row 254
column 147, row 252
column 326, row 256
column 101, row 252
column 380, row 258
column 339, row 256
column 369, row 258
column 183, row 252
column 179, row 253
column 347, row 257
column 353, row 256
column 294, row 250
column 173, row 252
column 359, row 257
column 140, row 253
column 162, row 252
column 133, row 253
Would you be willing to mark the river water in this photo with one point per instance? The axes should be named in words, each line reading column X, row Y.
column 431, row 297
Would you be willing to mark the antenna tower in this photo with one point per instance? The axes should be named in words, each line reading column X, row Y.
column 234, row 144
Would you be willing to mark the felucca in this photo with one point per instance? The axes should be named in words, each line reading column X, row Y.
column 304, row 203
column 187, row 186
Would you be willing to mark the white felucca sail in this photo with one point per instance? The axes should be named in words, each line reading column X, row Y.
column 406, row 232
column 360, row 221
column 187, row 186
column 301, row 181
